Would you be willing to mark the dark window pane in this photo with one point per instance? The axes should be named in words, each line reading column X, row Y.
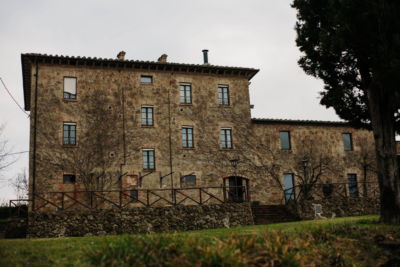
column 134, row 195
column 353, row 188
column 189, row 180
column 69, row 179
column 285, row 140
column 223, row 95
column 185, row 94
column 226, row 138
column 347, row 142
column 146, row 79
column 148, row 159
column 288, row 184
column 69, row 87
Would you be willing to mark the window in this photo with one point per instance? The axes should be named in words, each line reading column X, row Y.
column 148, row 159
column 288, row 182
column 353, row 188
column 133, row 195
column 69, row 133
column 226, row 138
column 146, row 79
column 147, row 115
column 188, row 180
column 223, row 95
column 347, row 141
column 186, row 93
column 69, row 178
column 69, row 88
column 187, row 137
column 285, row 140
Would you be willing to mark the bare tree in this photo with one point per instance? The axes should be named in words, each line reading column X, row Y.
column 6, row 157
column 20, row 185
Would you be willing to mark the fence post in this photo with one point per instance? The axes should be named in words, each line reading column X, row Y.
column 224, row 192
column 147, row 196
column 174, row 196
column 201, row 201
column 62, row 201
column 120, row 198
column 91, row 199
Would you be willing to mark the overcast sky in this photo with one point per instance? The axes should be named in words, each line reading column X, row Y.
column 252, row 33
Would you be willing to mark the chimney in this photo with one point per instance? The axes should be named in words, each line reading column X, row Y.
column 121, row 56
column 205, row 56
column 163, row 58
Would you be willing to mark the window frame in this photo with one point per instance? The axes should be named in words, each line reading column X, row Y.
column 184, row 85
column 289, row 141
column 76, row 89
column 148, row 167
column 292, row 194
column 70, row 123
column 147, row 107
column 185, row 141
column 353, row 185
column 184, row 183
column 143, row 76
column 224, row 145
column 71, row 175
column 134, row 199
column 350, row 139
column 224, row 95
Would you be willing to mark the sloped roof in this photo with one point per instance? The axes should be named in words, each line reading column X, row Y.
column 30, row 59
column 300, row 122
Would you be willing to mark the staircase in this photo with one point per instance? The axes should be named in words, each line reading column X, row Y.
column 266, row 214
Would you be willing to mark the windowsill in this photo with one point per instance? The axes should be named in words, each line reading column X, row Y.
column 226, row 149
column 146, row 84
column 148, row 170
column 69, row 146
column 147, row 126
column 287, row 149
column 185, row 104
column 188, row 148
column 224, row 105
column 70, row 100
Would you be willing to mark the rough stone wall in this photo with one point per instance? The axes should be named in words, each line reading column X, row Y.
column 319, row 141
column 337, row 206
column 138, row 220
column 124, row 138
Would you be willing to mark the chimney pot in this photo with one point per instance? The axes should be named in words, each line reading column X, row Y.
column 163, row 58
column 205, row 56
column 121, row 55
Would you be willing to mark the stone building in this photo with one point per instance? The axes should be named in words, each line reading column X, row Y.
column 124, row 125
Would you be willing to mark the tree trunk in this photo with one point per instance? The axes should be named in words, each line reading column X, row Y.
column 383, row 123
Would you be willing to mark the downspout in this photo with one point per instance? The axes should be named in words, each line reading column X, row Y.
column 123, row 139
column 170, row 138
column 34, row 138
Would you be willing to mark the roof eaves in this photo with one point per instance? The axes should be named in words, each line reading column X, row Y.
column 299, row 122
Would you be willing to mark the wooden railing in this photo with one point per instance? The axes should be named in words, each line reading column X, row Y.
column 331, row 190
column 107, row 199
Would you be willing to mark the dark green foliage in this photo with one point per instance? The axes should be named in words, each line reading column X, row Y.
column 352, row 45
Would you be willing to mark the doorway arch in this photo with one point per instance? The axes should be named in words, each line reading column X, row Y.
column 236, row 188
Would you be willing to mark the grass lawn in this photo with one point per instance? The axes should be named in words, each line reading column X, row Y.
column 339, row 241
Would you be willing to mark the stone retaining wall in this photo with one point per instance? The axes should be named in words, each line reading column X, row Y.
column 138, row 220
column 339, row 206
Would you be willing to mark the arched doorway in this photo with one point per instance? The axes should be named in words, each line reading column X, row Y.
column 236, row 188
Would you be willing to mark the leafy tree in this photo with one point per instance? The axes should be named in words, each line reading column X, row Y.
column 354, row 47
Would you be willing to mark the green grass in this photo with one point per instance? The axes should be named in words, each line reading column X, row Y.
column 349, row 241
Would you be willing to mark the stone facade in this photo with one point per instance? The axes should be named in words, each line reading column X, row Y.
column 337, row 207
column 111, row 138
column 138, row 220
